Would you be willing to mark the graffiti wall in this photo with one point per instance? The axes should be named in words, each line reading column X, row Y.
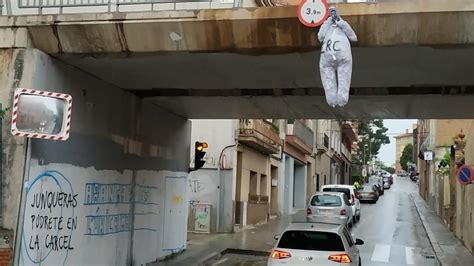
column 203, row 189
column 114, row 193
column 71, row 220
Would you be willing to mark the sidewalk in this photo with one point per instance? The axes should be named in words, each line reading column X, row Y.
column 201, row 248
column 449, row 250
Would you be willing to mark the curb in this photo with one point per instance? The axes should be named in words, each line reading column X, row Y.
column 433, row 242
column 246, row 252
column 209, row 257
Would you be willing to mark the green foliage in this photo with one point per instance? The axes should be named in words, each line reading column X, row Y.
column 407, row 156
column 372, row 136
column 445, row 164
column 389, row 169
column 4, row 112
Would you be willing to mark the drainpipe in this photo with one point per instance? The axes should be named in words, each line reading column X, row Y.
column 221, row 189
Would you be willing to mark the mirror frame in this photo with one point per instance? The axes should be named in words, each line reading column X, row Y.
column 277, row 236
column 359, row 242
column 63, row 135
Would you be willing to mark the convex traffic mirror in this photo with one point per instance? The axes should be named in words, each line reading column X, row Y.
column 41, row 114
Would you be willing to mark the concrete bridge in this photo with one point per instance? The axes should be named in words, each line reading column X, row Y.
column 248, row 58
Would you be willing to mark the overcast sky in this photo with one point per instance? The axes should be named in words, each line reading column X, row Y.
column 395, row 127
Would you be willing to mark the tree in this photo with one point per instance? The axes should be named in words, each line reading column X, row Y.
column 372, row 135
column 407, row 156
column 389, row 169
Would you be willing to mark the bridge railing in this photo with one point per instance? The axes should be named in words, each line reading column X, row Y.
column 98, row 6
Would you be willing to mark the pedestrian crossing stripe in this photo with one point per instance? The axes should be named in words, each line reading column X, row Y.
column 381, row 253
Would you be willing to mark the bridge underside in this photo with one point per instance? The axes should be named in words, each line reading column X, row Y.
column 388, row 82
column 262, row 63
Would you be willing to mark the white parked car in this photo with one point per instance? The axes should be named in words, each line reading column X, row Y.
column 315, row 244
column 330, row 207
column 350, row 192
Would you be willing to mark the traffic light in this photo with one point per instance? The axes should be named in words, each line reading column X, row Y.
column 199, row 154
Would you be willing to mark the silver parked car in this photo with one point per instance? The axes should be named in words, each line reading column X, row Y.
column 330, row 207
column 315, row 244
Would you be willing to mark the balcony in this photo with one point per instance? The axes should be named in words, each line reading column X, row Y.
column 300, row 137
column 322, row 142
column 346, row 152
column 260, row 135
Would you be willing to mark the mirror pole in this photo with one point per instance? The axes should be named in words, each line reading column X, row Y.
column 18, row 235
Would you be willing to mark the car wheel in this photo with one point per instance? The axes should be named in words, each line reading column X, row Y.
column 358, row 217
column 351, row 224
column 360, row 262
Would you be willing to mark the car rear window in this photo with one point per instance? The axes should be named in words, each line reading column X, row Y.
column 311, row 240
column 326, row 200
column 338, row 189
column 367, row 188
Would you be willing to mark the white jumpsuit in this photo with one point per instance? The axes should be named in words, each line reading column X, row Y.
column 335, row 64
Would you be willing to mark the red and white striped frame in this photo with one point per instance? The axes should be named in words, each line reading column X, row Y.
column 63, row 135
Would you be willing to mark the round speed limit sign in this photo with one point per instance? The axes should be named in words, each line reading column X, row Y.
column 313, row 13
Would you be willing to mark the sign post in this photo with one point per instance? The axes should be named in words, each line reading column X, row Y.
column 313, row 13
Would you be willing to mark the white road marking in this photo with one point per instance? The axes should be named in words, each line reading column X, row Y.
column 381, row 253
column 221, row 261
column 411, row 254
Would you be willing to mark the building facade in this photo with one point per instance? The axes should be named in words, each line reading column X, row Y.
column 401, row 141
column 242, row 163
column 256, row 169
column 438, row 184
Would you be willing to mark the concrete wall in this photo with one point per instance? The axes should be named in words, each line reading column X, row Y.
column 218, row 133
column 14, row 73
column 465, row 193
column 204, row 183
column 117, row 186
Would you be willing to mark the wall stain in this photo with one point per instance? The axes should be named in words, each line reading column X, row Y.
column 122, row 38
column 56, row 33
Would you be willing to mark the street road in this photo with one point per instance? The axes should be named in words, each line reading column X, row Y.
column 391, row 229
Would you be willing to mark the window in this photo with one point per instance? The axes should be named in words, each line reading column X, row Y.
column 253, row 183
column 326, row 200
column 311, row 240
column 348, row 237
column 338, row 189
column 263, row 185
column 346, row 200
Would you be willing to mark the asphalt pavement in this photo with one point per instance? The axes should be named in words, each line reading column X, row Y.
column 392, row 230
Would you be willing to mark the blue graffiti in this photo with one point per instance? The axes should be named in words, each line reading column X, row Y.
column 99, row 194
column 57, row 178
column 99, row 225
